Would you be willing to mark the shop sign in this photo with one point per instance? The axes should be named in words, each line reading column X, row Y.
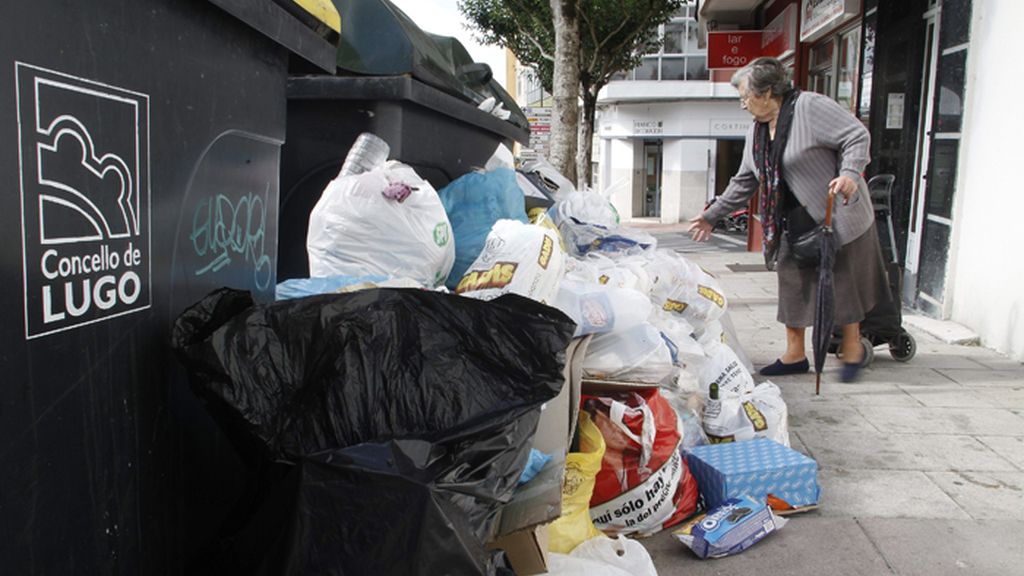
column 822, row 16
column 539, row 118
column 720, row 127
column 779, row 37
column 733, row 49
column 648, row 127
column 85, row 203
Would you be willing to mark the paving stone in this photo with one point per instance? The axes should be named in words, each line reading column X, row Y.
column 827, row 415
column 985, row 378
column 906, row 375
column 1009, row 447
column 999, row 362
column 884, row 494
column 924, row 452
column 797, row 443
column 936, row 357
column 945, row 396
column 985, row 495
column 974, row 421
column 875, row 394
column 1003, row 397
column 942, row 547
column 798, row 549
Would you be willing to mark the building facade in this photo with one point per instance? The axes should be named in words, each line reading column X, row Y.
column 668, row 134
column 934, row 82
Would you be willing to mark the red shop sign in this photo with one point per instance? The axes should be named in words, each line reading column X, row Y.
column 733, row 49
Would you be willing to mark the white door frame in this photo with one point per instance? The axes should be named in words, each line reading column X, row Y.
column 923, row 153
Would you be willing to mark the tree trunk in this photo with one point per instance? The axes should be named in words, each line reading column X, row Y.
column 566, row 81
column 584, row 170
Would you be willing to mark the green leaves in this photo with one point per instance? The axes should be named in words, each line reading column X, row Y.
column 614, row 34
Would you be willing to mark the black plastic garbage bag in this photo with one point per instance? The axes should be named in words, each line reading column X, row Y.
column 406, row 417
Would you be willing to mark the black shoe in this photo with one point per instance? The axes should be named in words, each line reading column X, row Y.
column 851, row 371
column 780, row 369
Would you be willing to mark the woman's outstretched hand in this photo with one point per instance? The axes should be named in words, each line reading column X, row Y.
column 843, row 185
column 700, row 229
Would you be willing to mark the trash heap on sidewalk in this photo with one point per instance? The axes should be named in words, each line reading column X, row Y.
column 493, row 374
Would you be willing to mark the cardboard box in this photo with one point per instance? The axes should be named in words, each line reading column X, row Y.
column 522, row 530
column 756, row 468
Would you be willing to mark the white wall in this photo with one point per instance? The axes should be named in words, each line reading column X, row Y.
column 684, row 178
column 987, row 265
column 683, row 119
column 619, row 167
column 687, row 129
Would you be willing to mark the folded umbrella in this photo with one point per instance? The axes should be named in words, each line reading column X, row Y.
column 825, row 302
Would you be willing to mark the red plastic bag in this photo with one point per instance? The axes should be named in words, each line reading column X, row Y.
column 644, row 484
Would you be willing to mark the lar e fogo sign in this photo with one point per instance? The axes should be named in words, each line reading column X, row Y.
column 733, row 49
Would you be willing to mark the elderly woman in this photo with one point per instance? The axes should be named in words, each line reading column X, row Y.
column 801, row 148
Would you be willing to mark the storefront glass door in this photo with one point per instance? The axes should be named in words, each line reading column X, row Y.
column 652, row 179
column 947, row 113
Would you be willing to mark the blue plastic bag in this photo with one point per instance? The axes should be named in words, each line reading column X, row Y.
column 302, row 287
column 474, row 202
column 534, row 465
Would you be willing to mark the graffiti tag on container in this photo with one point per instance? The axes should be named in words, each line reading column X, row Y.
column 225, row 230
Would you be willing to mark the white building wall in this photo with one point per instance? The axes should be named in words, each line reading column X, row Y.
column 622, row 172
column 684, row 184
column 987, row 263
column 688, row 130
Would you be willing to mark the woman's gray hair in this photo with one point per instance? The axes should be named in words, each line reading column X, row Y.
column 764, row 75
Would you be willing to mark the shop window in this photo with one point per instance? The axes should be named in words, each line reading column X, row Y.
column 932, row 273
column 949, row 112
column 956, row 23
column 868, row 68
column 834, row 68
column 849, row 52
column 942, row 177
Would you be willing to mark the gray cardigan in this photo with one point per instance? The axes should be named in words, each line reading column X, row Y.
column 825, row 139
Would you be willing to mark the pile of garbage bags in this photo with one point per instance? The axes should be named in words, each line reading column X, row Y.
column 395, row 393
column 400, row 421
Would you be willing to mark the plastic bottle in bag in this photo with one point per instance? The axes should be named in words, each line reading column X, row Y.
column 368, row 152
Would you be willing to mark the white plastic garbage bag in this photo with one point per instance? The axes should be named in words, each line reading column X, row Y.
column 388, row 222
column 597, row 308
column 760, row 413
column 589, row 207
column 723, row 369
column 517, row 258
column 604, row 556
column 681, row 287
column 639, row 354
column 690, row 353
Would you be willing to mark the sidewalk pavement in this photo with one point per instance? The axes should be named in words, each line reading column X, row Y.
column 921, row 464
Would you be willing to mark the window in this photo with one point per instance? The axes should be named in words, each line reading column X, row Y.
column 864, row 112
column 834, row 68
column 679, row 58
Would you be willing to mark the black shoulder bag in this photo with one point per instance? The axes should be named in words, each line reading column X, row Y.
column 804, row 235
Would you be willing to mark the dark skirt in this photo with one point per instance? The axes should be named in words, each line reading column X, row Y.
column 860, row 280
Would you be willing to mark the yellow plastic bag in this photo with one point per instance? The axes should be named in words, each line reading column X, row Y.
column 540, row 217
column 581, row 468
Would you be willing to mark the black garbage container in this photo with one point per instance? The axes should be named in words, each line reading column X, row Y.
column 418, row 92
column 439, row 135
column 140, row 170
